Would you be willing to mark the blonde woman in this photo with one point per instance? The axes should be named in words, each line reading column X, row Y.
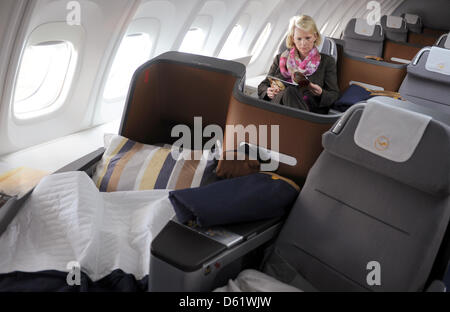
column 302, row 59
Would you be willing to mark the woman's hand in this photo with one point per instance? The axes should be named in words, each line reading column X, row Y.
column 272, row 92
column 315, row 89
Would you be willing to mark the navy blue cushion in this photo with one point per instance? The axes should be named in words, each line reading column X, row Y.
column 250, row 198
column 352, row 95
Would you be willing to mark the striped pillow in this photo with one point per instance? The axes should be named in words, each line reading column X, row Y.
column 131, row 166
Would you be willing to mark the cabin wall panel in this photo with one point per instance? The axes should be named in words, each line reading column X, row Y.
column 174, row 18
column 102, row 21
column 223, row 13
column 281, row 24
column 11, row 13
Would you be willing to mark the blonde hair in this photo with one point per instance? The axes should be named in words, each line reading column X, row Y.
column 303, row 22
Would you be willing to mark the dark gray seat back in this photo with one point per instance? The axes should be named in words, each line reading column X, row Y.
column 360, row 45
column 413, row 22
column 429, row 88
column 397, row 33
column 357, row 207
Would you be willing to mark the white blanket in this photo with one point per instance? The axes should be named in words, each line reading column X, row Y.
column 67, row 219
column 363, row 28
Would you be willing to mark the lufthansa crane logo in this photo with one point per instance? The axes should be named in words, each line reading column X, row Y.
column 382, row 143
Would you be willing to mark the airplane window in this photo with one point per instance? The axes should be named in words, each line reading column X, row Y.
column 43, row 71
column 134, row 50
column 257, row 49
column 231, row 49
column 193, row 41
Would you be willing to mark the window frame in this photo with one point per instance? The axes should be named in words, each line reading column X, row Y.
column 110, row 70
column 110, row 109
column 203, row 34
column 226, row 57
column 35, row 92
column 44, row 33
column 204, row 23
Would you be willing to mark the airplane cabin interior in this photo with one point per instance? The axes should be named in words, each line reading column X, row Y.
column 224, row 145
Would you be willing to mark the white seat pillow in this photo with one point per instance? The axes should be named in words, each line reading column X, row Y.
column 363, row 28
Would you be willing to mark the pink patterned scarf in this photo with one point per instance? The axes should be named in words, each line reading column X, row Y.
column 290, row 63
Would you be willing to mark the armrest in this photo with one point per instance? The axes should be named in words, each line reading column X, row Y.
column 83, row 163
column 436, row 286
column 183, row 248
column 184, row 258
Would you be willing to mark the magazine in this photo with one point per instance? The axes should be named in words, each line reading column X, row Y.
column 280, row 83
column 299, row 80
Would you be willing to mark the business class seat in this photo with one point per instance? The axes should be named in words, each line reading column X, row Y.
column 361, row 59
column 328, row 47
column 427, row 82
column 395, row 28
column 377, row 197
column 362, row 39
column 413, row 22
column 396, row 48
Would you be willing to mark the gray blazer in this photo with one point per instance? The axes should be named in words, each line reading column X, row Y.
column 325, row 76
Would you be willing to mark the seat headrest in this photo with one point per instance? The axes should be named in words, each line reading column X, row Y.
column 438, row 61
column 376, row 133
column 413, row 22
column 360, row 29
column 432, row 63
column 328, row 47
column 393, row 23
column 322, row 45
column 363, row 28
column 411, row 18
